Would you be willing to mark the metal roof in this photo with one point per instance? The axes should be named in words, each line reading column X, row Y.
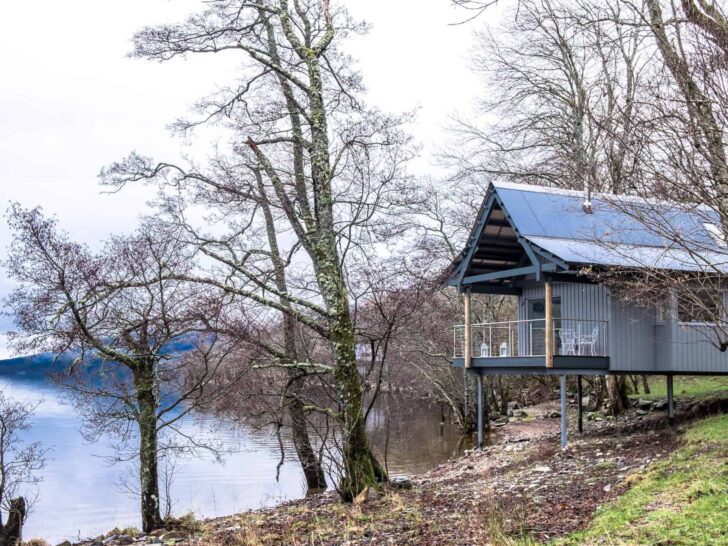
column 621, row 231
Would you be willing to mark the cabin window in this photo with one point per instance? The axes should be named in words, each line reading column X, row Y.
column 700, row 305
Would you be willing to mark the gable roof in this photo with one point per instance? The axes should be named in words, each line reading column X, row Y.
column 622, row 231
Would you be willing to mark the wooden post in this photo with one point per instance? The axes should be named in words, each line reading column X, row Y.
column 579, row 394
column 549, row 328
column 564, row 407
column 480, row 411
column 468, row 353
column 670, row 401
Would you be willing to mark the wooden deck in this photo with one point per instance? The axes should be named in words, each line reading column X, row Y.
column 537, row 364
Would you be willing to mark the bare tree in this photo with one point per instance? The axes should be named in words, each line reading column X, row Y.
column 19, row 464
column 327, row 168
column 125, row 325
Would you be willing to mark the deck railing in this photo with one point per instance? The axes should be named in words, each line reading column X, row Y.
column 572, row 337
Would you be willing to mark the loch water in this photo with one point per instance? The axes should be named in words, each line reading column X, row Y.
column 82, row 493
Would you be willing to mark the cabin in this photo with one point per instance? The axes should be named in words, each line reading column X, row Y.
column 540, row 244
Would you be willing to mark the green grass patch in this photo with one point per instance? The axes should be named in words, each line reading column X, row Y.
column 701, row 386
column 682, row 500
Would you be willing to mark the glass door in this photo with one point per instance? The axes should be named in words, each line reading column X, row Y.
column 537, row 328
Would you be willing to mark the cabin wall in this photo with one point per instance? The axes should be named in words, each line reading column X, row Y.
column 694, row 351
column 579, row 302
column 632, row 344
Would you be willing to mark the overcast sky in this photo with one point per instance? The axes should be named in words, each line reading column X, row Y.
column 71, row 102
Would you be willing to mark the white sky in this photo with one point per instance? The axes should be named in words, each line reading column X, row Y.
column 71, row 102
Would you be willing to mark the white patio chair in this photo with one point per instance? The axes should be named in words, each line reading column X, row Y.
column 568, row 341
column 589, row 341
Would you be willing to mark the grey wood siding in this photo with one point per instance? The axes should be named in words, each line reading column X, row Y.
column 693, row 351
column 663, row 346
column 579, row 302
column 632, row 342
column 636, row 341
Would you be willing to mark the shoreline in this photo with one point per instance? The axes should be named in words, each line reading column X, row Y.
column 522, row 484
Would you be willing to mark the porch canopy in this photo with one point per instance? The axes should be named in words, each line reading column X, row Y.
column 523, row 232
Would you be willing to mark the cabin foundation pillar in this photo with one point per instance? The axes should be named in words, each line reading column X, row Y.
column 580, row 409
column 563, row 411
column 481, row 422
column 670, row 401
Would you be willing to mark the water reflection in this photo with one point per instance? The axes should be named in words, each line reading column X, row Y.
column 80, row 495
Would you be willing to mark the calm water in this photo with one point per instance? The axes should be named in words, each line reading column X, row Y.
column 81, row 496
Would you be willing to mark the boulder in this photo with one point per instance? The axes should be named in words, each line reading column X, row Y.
column 401, row 482
column 64, row 543
column 642, row 412
column 368, row 494
column 173, row 535
column 659, row 405
column 644, row 404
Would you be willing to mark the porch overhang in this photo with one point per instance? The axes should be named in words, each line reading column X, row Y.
column 497, row 256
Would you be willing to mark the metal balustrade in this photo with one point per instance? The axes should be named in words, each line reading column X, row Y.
column 518, row 338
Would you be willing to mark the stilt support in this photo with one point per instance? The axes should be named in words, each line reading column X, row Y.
column 579, row 395
column 563, row 411
column 480, row 411
column 670, row 401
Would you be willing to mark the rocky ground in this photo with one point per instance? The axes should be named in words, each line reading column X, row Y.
column 523, row 487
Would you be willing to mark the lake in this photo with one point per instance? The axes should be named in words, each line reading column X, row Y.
column 81, row 493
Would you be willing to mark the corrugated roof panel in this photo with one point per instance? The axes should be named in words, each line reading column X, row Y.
column 616, row 221
column 633, row 256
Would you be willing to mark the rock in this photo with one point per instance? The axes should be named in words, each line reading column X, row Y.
column 65, row 543
column 509, row 412
column 607, row 488
column 513, row 405
column 642, row 412
column 644, row 404
column 543, row 469
column 110, row 539
column 659, row 405
column 401, row 482
column 124, row 540
column 173, row 535
column 520, row 414
column 157, row 532
column 367, row 494
column 554, row 415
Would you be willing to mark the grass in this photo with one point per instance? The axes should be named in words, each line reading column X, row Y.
column 700, row 386
column 682, row 500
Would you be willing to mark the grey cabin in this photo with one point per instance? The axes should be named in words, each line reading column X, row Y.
column 535, row 243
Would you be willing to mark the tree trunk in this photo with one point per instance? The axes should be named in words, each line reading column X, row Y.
column 360, row 467
column 11, row 534
column 617, row 390
column 148, row 449
column 312, row 469
column 645, row 385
